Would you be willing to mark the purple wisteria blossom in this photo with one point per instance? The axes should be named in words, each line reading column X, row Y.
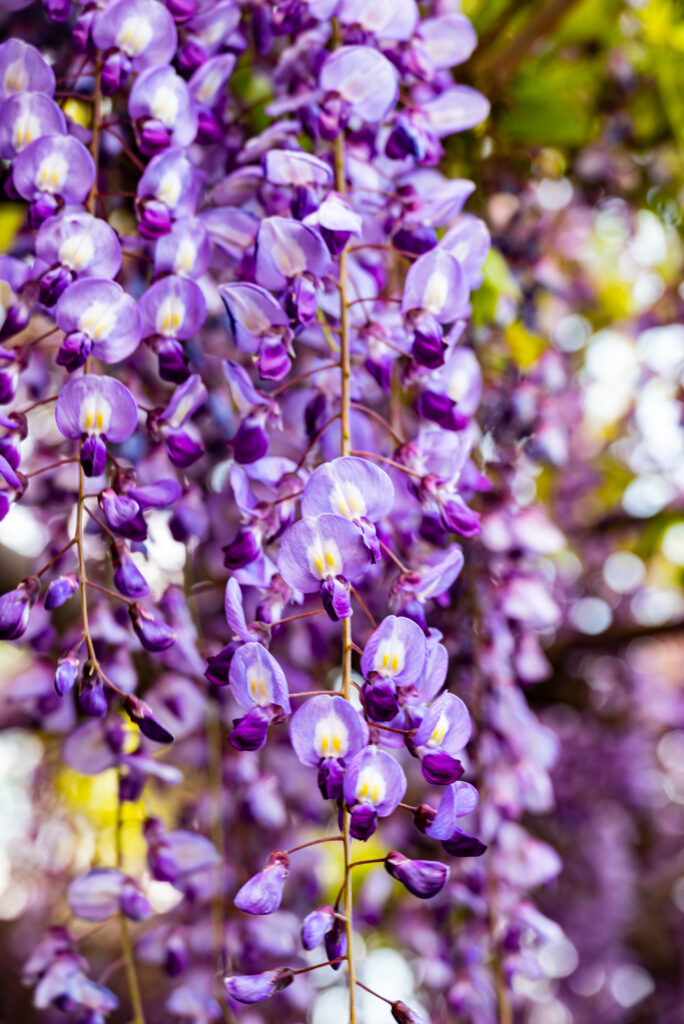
column 96, row 409
column 374, row 784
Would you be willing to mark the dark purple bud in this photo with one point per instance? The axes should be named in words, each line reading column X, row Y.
column 405, row 140
column 244, row 548
column 403, row 1014
column 440, row 409
column 192, row 55
column 9, row 381
column 118, row 508
column 17, row 319
column 60, row 590
column 273, row 361
column 380, row 700
column 424, row 816
column 93, row 455
column 208, row 128
column 131, row 785
column 173, row 363
column 15, row 607
column 456, row 516
column 316, row 926
column 115, row 71
column 177, row 957
column 441, row 768
column 133, row 903
column 92, row 697
column 423, row 878
column 330, row 778
column 152, row 633
column 252, row 988
column 250, row 732
column 332, row 118
column 219, row 665
column 250, row 443
column 127, row 577
column 182, row 449
column 42, row 208
column 140, row 713
column 301, row 302
column 416, row 239
column 304, row 202
column 154, row 136
column 66, row 674
column 428, row 344
column 462, row 844
column 74, row 351
column 53, row 283
column 336, row 598
column 154, row 218
column 58, row 10
column 80, row 33
column 162, row 864
column 181, row 10
column 336, row 943
column 363, row 822
column 315, row 414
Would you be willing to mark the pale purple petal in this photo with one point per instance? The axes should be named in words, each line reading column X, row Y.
column 375, row 780
column 23, row 69
column 257, row 679
column 321, row 547
column 96, row 405
column 449, row 40
column 95, row 896
column 455, row 110
column 396, row 651
column 396, row 20
column 327, row 727
column 142, row 29
column 435, row 284
column 103, row 311
column 286, row 249
column 173, row 308
column 364, row 78
column 446, row 725
column 350, row 487
column 24, row 118
column 458, row 799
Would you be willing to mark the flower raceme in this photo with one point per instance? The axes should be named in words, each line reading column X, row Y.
column 292, row 328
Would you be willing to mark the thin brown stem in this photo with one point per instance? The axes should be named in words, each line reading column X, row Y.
column 389, row 462
column 301, row 377
column 378, row 419
column 317, row 438
column 315, row 842
column 369, row 614
column 390, row 554
column 372, row 992
column 56, row 558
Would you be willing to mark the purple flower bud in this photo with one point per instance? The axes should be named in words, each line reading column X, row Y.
column 140, row 713
column 66, row 674
column 250, row 732
column 117, row 508
column 428, row 343
column 336, row 598
column 462, row 844
column 252, row 988
column 363, row 822
column 92, row 698
column 403, row 1014
column 95, row 895
column 74, row 351
column 132, row 902
column 15, row 607
column 263, row 893
column 93, row 455
column 244, row 549
column 153, row 634
column 177, row 957
column 60, row 590
column 154, row 218
column 423, row 878
column 218, row 665
column 380, row 700
column 316, row 926
column 115, row 71
column 173, row 362
column 336, row 943
column 441, row 768
column 183, row 450
column 330, row 779
column 53, row 283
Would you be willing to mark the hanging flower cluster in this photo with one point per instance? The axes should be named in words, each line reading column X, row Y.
column 235, row 320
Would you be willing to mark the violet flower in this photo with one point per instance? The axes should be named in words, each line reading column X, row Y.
column 96, row 409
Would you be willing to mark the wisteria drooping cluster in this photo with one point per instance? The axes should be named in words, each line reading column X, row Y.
column 236, row 324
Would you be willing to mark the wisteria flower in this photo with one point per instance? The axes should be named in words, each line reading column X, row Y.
column 373, row 786
column 98, row 317
column 325, row 733
column 96, row 409
column 324, row 553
